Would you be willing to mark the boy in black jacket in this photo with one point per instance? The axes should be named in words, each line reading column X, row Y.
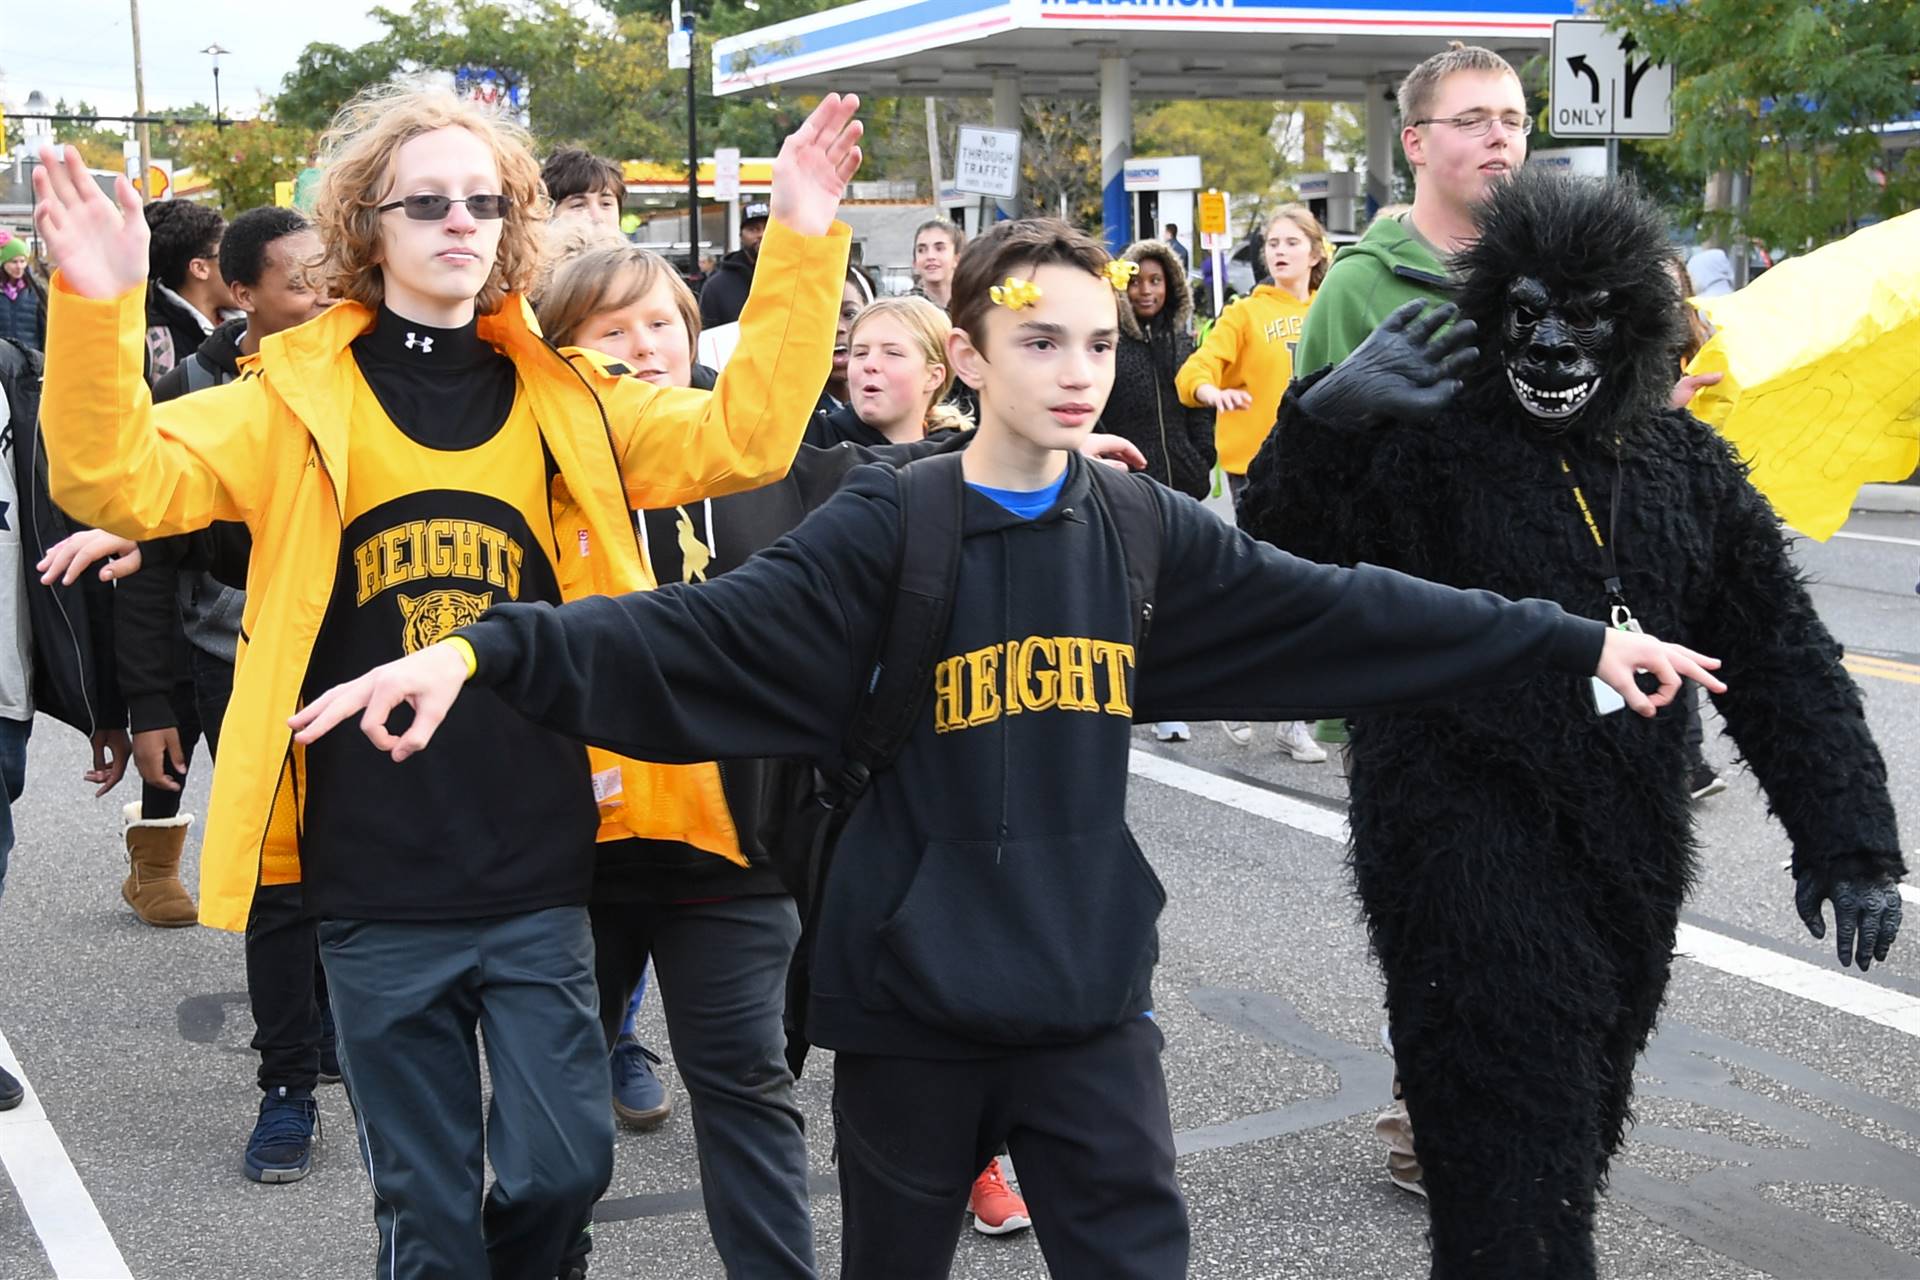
column 987, row 935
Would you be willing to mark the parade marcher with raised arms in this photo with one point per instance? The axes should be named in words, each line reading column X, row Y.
column 403, row 463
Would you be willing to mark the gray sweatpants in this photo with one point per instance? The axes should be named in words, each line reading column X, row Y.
column 408, row 998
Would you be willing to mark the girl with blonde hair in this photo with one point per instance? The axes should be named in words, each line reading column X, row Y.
column 898, row 377
column 404, row 462
column 1243, row 369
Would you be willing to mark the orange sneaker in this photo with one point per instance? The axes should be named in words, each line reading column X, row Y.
column 997, row 1209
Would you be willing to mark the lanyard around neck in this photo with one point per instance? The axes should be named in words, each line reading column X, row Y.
column 1619, row 614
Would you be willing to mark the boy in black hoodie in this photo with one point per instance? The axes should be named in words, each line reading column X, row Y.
column 987, row 934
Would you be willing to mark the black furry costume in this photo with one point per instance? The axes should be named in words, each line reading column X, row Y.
column 1521, row 858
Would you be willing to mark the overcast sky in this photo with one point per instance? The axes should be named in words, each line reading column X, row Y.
column 77, row 49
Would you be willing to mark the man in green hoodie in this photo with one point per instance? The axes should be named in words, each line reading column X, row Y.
column 1464, row 127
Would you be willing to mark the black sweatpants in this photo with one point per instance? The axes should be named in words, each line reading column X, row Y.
column 1087, row 1126
column 411, row 999
column 721, row 971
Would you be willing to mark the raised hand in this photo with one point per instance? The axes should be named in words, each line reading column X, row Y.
column 1626, row 653
column 427, row 681
column 99, row 245
column 814, row 165
column 1406, row 369
column 1866, row 912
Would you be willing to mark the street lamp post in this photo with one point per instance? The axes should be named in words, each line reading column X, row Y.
column 214, row 51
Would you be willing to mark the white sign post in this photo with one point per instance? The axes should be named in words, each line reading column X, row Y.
column 1604, row 87
column 987, row 162
column 726, row 174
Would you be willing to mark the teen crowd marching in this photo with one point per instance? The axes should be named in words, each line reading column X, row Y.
column 445, row 463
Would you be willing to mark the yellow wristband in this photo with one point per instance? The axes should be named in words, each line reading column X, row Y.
column 465, row 650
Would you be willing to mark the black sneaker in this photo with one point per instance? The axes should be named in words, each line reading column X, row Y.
column 281, row 1148
column 12, row 1092
column 574, row 1265
column 1702, row 781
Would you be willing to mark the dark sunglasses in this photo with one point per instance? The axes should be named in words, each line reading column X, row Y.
column 431, row 208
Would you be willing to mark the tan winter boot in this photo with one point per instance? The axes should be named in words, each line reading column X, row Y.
column 153, row 887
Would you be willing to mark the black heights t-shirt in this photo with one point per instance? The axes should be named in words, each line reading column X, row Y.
column 447, row 514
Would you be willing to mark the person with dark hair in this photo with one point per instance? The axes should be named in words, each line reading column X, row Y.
column 583, row 185
column 1179, row 250
column 936, row 251
column 983, row 961
column 176, row 635
column 725, row 291
column 188, row 298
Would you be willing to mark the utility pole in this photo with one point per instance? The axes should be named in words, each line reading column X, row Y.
column 933, row 153
column 140, row 104
column 693, row 161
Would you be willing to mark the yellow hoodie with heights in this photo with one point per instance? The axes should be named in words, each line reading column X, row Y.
column 271, row 450
column 1249, row 349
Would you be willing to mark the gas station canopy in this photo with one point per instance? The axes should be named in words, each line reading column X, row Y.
column 1175, row 48
column 1352, row 50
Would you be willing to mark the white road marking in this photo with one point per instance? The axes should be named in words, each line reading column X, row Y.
column 1826, row 986
column 1879, row 537
column 77, row 1241
column 1258, row 801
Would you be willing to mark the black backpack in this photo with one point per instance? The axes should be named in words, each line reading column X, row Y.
column 932, row 498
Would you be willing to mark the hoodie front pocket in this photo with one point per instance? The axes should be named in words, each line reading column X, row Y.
column 1025, row 941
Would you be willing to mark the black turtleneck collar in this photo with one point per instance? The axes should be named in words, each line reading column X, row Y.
column 408, row 342
column 446, row 388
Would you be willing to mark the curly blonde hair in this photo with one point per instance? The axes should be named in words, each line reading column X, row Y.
column 356, row 156
column 929, row 327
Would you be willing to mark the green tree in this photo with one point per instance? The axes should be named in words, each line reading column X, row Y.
column 1234, row 141
column 245, row 159
column 99, row 144
column 1786, row 92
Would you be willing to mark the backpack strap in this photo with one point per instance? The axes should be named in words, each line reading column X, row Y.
column 1131, row 506
column 197, row 374
column 932, row 497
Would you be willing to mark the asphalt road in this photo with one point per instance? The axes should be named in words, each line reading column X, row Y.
column 1779, row 1113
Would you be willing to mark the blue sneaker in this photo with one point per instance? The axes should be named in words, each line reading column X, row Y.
column 639, row 1096
column 281, row 1147
column 12, row 1092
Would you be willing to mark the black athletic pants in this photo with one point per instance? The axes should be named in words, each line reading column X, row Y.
column 1086, row 1124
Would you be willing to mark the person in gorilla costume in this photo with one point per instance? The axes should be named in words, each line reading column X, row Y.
column 1522, row 858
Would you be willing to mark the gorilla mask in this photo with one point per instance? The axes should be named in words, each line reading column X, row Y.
column 1579, row 316
column 1556, row 347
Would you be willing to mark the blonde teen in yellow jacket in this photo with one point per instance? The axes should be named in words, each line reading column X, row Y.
column 1244, row 366
column 271, row 450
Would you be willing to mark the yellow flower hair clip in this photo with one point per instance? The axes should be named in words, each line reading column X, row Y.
column 1015, row 295
column 1121, row 273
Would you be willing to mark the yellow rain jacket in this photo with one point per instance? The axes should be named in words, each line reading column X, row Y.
column 271, row 450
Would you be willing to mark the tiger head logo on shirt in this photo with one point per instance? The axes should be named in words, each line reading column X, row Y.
column 431, row 618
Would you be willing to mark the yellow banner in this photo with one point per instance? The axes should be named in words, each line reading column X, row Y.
column 1821, row 357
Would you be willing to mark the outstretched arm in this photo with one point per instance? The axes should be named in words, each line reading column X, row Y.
column 1243, row 631
column 679, row 446
column 762, row 661
column 1799, row 722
